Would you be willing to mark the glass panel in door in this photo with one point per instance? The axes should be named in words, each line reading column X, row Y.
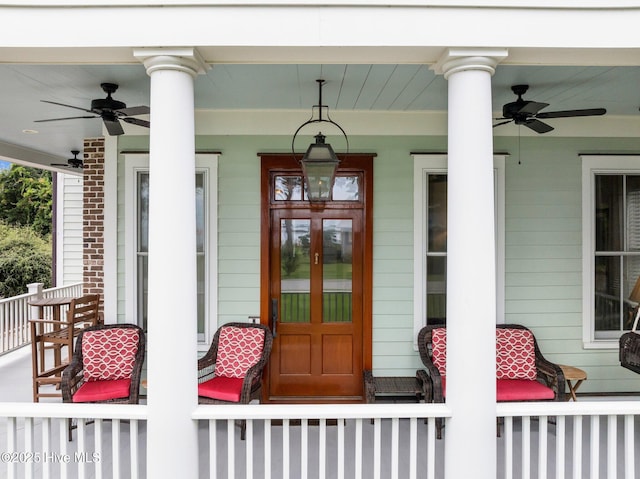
column 337, row 256
column 295, row 274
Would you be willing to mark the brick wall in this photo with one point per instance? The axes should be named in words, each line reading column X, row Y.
column 93, row 216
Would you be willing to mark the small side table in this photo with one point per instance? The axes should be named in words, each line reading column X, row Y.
column 572, row 373
column 391, row 386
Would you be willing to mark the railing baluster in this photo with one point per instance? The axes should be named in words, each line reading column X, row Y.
column 594, row 456
column 267, row 449
column 322, row 457
column 395, row 426
column 63, row 434
column 81, row 446
column 340, row 449
column 577, row 447
column 560, row 446
column 413, row 448
column 526, row 448
column 249, row 448
column 133, row 448
column 98, row 430
column 213, row 449
column 612, row 447
column 115, row 446
column 28, row 446
column 285, row 449
column 304, row 449
column 629, row 447
column 46, row 446
column 377, row 440
column 358, row 456
column 231, row 449
column 542, row 447
column 431, row 448
column 508, row 447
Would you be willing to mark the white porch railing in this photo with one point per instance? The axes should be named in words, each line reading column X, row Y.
column 34, row 441
column 322, row 440
column 585, row 439
column 16, row 311
column 578, row 440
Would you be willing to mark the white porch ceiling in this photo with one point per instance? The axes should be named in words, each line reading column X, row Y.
column 349, row 87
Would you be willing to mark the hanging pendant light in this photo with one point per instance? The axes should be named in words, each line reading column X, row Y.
column 319, row 163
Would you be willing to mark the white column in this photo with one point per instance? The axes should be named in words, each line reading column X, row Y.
column 172, row 446
column 470, row 449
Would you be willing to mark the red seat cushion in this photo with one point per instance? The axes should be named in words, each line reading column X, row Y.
column 516, row 390
column 222, row 388
column 522, row 390
column 92, row 391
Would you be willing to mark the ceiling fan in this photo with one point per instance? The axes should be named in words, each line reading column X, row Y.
column 525, row 112
column 72, row 163
column 110, row 110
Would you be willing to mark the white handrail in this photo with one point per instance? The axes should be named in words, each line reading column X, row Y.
column 16, row 311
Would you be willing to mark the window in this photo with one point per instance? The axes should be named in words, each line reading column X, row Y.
column 137, row 233
column 290, row 187
column 611, row 246
column 430, row 239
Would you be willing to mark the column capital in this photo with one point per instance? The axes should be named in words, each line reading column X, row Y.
column 454, row 60
column 184, row 59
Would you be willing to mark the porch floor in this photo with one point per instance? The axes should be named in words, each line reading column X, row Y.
column 15, row 386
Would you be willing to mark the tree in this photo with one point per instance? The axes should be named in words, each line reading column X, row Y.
column 26, row 198
column 25, row 257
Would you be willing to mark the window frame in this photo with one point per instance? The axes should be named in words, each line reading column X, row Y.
column 593, row 165
column 424, row 164
column 206, row 163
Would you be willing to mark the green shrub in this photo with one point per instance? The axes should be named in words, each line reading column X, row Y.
column 25, row 257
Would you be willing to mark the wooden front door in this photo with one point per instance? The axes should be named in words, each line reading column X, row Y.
column 318, row 281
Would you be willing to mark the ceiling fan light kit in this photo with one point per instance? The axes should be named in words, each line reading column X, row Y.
column 72, row 163
column 110, row 110
column 527, row 112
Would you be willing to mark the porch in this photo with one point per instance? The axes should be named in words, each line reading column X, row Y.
column 589, row 438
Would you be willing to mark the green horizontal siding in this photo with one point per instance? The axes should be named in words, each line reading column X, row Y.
column 543, row 236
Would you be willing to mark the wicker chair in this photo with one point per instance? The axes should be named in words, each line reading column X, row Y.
column 106, row 366
column 548, row 374
column 225, row 377
column 630, row 351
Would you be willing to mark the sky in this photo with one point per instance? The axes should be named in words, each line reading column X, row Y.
column 4, row 165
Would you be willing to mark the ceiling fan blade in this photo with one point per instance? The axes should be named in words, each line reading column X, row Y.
column 136, row 121
column 67, row 118
column 538, row 126
column 113, row 127
column 572, row 113
column 134, row 111
column 502, row 122
column 68, row 106
column 532, row 107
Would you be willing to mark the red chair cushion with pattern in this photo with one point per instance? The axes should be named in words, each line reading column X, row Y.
column 238, row 350
column 516, row 390
column 439, row 351
column 515, row 354
column 222, row 388
column 109, row 354
column 522, row 390
column 93, row 391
